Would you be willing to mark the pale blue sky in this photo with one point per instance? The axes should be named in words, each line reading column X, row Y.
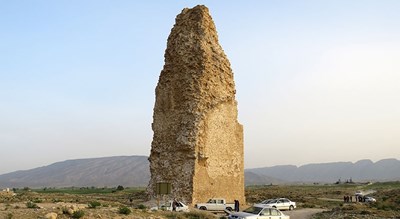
column 317, row 81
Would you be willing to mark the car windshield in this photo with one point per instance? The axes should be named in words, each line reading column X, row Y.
column 253, row 210
column 272, row 201
column 266, row 201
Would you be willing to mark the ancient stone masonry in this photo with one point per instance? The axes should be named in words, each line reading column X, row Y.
column 198, row 143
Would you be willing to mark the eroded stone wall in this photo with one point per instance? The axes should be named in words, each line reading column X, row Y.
column 198, row 143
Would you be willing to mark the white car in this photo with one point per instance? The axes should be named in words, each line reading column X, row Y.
column 369, row 199
column 259, row 213
column 180, row 206
column 279, row 203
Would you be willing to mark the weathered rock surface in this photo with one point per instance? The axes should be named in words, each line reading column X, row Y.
column 51, row 216
column 198, row 143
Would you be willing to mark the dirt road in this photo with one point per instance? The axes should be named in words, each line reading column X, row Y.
column 304, row 213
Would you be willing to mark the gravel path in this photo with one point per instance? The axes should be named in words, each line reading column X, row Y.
column 304, row 213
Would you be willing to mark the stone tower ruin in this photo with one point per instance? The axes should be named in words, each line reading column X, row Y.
column 198, row 143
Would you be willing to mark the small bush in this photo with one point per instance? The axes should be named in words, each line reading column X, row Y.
column 308, row 206
column 64, row 210
column 55, row 200
column 141, row 206
column 9, row 216
column 120, row 188
column 31, row 205
column 37, row 200
column 364, row 212
column 124, row 210
column 94, row 204
column 178, row 216
column 78, row 214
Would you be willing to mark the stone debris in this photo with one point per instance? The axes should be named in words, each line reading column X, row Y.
column 197, row 144
column 50, row 216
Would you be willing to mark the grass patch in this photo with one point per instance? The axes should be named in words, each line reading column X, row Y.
column 124, row 210
column 86, row 190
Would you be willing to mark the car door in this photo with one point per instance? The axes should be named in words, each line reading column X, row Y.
column 270, row 213
column 280, row 204
column 264, row 214
column 285, row 204
column 220, row 205
column 275, row 214
column 212, row 206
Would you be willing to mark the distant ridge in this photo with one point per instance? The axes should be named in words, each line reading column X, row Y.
column 99, row 172
column 363, row 170
column 134, row 171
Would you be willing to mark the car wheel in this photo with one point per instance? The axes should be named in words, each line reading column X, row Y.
column 291, row 208
column 203, row 208
column 274, row 206
column 229, row 209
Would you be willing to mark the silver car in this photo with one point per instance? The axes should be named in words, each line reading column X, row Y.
column 259, row 213
column 279, row 203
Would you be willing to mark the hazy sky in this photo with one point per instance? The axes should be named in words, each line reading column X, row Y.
column 317, row 81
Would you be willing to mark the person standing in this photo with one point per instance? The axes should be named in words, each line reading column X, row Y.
column 174, row 205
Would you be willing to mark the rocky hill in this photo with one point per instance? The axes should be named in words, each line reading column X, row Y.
column 99, row 172
column 134, row 171
column 363, row 170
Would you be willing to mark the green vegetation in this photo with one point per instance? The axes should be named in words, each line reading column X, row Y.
column 86, row 190
column 190, row 215
column 78, row 214
column 30, row 204
column 141, row 206
column 94, row 204
column 124, row 210
column 327, row 196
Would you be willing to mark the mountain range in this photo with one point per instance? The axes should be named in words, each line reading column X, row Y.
column 134, row 171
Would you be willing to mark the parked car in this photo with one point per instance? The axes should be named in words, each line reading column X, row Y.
column 279, row 203
column 255, row 212
column 180, row 206
column 215, row 204
column 369, row 199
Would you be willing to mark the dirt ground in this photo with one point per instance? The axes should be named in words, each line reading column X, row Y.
column 305, row 213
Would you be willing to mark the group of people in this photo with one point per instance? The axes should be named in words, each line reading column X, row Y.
column 358, row 198
column 348, row 198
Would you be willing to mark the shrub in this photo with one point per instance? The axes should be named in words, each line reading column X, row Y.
column 364, row 212
column 177, row 216
column 308, row 206
column 37, row 200
column 55, row 200
column 94, row 204
column 78, row 214
column 120, row 188
column 31, row 205
column 124, row 210
column 141, row 206
column 64, row 210
column 9, row 216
